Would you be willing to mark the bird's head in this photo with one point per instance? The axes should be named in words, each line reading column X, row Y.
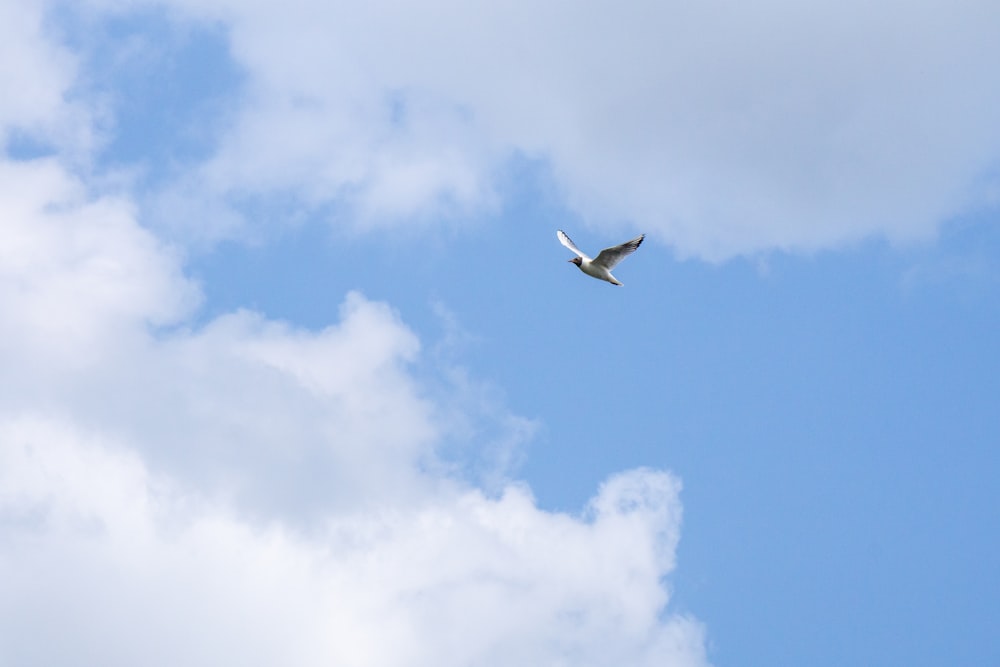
column 576, row 260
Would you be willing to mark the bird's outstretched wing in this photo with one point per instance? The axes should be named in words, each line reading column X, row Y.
column 610, row 257
column 568, row 242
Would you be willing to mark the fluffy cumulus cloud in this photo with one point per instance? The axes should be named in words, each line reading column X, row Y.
column 246, row 491
column 104, row 562
column 720, row 127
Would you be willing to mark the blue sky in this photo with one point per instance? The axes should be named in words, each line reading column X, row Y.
column 299, row 373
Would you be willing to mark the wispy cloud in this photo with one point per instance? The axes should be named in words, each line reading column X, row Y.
column 37, row 75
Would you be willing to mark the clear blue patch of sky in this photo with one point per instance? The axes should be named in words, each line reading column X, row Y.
column 22, row 145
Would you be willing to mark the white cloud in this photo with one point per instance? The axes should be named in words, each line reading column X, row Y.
column 250, row 492
column 719, row 127
column 81, row 284
column 77, row 275
column 33, row 71
column 37, row 75
column 103, row 563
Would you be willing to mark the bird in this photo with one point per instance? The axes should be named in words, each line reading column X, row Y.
column 600, row 267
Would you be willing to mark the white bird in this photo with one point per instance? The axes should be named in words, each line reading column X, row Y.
column 600, row 267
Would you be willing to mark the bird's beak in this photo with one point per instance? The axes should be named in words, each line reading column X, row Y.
column 569, row 260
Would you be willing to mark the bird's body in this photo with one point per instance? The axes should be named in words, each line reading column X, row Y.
column 595, row 270
column 600, row 266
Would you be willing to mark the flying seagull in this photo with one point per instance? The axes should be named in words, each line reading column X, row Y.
column 600, row 267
